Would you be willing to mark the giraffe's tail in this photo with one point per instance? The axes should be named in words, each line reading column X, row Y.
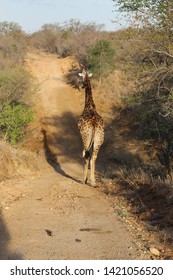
column 87, row 152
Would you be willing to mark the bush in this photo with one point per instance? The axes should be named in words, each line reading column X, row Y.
column 101, row 58
column 71, row 38
column 16, row 84
column 15, row 90
column 13, row 119
column 13, row 42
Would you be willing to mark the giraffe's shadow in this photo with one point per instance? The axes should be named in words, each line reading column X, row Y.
column 50, row 156
column 61, row 139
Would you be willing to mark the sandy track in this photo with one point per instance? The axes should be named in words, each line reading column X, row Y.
column 51, row 215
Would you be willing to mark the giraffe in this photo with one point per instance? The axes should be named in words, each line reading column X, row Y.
column 91, row 128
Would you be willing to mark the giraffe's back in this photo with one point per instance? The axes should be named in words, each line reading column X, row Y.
column 90, row 119
column 91, row 128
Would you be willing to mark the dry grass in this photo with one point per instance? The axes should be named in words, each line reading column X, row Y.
column 16, row 162
column 112, row 88
column 145, row 203
column 133, row 176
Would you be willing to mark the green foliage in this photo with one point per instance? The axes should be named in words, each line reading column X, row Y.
column 149, row 54
column 135, row 5
column 155, row 12
column 15, row 91
column 16, row 83
column 13, row 118
column 101, row 58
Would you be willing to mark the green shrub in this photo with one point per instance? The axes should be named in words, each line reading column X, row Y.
column 16, row 87
column 101, row 58
column 13, row 119
column 16, row 83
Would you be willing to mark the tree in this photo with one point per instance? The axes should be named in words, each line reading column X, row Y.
column 152, row 104
column 153, row 12
column 9, row 28
column 101, row 58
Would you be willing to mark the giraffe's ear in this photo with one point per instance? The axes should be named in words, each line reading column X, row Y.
column 81, row 74
column 90, row 75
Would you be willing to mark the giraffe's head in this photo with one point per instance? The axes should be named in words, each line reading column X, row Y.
column 85, row 77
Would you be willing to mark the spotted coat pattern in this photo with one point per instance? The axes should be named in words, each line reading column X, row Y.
column 91, row 128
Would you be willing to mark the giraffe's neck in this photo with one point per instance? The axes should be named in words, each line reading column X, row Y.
column 89, row 102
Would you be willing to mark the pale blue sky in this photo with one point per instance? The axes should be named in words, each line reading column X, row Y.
column 32, row 14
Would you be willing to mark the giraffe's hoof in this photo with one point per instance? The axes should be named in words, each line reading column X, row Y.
column 93, row 184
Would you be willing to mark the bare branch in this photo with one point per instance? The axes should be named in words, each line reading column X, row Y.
column 155, row 66
column 160, row 82
column 162, row 52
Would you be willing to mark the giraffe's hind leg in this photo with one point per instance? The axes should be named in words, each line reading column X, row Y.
column 87, row 139
column 85, row 178
column 87, row 156
column 98, row 141
column 92, row 164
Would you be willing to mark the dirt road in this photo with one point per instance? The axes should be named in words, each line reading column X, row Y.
column 51, row 215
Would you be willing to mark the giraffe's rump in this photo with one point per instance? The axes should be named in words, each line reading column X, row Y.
column 92, row 135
